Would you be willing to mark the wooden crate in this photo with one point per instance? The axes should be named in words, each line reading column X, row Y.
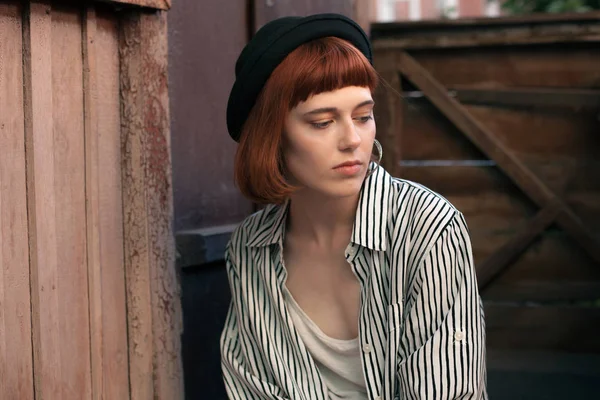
column 89, row 300
column 502, row 117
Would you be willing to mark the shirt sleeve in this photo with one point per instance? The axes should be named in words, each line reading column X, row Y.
column 442, row 351
column 241, row 382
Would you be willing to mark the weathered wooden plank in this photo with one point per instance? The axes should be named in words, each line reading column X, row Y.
column 490, row 145
column 467, row 32
column 69, row 190
column 573, row 329
column 559, row 135
column 154, row 315
column 497, row 262
column 542, row 291
column 398, row 28
column 137, row 251
column 492, row 39
column 92, row 187
column 41, row 200
column 158, row 4
column 520, row 66
column 529, row 97
column 110, row 206
column 547, row 133
column 103, row 204
column 16, row 362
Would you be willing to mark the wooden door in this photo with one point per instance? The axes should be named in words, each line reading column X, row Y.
column 89, row 300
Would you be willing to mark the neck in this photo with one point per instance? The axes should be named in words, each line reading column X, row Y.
column 323, row 221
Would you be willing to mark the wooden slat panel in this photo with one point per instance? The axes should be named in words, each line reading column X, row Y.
column 110, row 206
column 483, row 192
column 154, row 313
column 427, row 134
column 495, row 150
column 552, row 257
column 495, row 210
column 528, row 66
column 70, row 211
column 554, row 328
column 549, row 133
column 16, row 362
column 497, row 263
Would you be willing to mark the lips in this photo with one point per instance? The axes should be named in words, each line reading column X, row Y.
column 348, row 164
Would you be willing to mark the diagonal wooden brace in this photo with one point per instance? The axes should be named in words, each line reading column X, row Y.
column 477, row 133
column 497, row 262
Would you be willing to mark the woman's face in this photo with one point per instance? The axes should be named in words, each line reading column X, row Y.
column 326, row 132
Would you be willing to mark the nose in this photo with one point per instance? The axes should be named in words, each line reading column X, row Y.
column 350, row 137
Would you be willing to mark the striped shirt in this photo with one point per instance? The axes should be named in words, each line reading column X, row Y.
column 421, row 324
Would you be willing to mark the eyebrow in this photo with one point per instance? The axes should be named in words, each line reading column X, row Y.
column 334, row 109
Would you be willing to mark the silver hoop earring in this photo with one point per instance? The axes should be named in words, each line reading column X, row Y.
column 379, row 156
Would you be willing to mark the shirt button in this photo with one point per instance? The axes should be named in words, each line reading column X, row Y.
column 459, row 335
column 367, row 348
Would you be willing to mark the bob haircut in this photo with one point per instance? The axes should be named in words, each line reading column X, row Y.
column 318, row 66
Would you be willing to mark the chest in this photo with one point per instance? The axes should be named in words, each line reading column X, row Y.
column 325, row 287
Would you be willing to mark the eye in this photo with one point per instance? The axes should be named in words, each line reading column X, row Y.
column 365, row 119
column 320, row 125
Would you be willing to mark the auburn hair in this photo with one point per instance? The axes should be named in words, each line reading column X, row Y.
column 318, row 66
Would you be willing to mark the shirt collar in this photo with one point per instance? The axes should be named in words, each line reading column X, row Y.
column 370, row 224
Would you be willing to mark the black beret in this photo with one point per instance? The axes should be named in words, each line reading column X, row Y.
column 268, row 48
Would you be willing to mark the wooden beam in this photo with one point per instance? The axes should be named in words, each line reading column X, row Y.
column 556, row 328
column 507, row 31
column 484, row 41
column 497, row 262
column 489, row 144
column 153, row 300
column 529, row 97
column 542, row 291
column 156, row 4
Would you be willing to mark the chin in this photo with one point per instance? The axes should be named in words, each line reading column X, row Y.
column 344, row 189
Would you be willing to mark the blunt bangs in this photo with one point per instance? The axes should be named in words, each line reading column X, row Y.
column 327, row 64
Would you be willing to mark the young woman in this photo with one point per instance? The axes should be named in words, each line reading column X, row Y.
column 350, row 284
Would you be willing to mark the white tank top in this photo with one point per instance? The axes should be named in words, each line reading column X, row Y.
column 338, row 360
